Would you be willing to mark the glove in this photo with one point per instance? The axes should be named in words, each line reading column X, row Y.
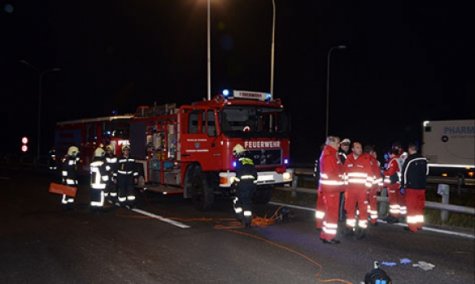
column 402, row 190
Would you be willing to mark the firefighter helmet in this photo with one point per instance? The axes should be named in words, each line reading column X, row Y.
column 126, row 147
column 99, row 153
column 238, row 149
column 73, row 151
column 109, row 148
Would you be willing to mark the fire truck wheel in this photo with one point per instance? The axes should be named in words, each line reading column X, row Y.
column 262, row 195
column 201, row 193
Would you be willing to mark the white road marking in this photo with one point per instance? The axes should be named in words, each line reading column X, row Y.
column 163, row 219
column 464, row 235
column 158, row 217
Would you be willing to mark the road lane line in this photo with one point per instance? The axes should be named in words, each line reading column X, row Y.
column 464, row 235
column 158, row 217
column 163, row 219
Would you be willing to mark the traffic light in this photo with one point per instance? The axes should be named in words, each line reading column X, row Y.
column 24, row 144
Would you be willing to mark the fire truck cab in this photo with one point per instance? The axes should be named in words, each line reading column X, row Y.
column 188, row 149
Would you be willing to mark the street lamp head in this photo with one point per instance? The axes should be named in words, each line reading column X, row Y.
column 56, row 69
column 341, row 46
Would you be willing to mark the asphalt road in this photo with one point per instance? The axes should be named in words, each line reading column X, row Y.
column 41, row 243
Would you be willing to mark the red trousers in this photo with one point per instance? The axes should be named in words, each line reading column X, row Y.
column 415, row 201
column 320, row 210
column 394, row 198
column 330, row 221
column 373, row 204
column 356, row 199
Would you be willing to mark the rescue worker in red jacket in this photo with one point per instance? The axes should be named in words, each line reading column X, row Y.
column 358, row 180
column 376, row 186
column 331, row 185
column 392, row 182
column 414, row 172
column 320, row 210
column 343, row 153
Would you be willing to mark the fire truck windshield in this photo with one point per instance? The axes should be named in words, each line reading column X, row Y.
column 252, row 121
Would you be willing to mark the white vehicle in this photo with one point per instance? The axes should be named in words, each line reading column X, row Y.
column 450, row 145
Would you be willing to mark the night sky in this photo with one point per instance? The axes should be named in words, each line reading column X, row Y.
column 406, row 61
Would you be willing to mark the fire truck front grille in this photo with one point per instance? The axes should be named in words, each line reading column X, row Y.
column 266, row 157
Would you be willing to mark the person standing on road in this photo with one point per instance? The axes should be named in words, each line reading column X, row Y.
column 99, row 179
column 53, row 166
column 343, row 153
column 344, row 150
column 376, row 186
column 392, row 180
column 69, row 168
column 126, row 175
column 320, row 210
column 52, row 162
column 331, row 185
column 358, row 180
column 246, row 181
column 111, row 165
column 413, row 181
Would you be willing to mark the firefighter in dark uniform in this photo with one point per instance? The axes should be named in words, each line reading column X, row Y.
column 126, row 175
column 111, row 165
column 69, row 169
column 53, row 165
column 99, row 179
column 245, row 180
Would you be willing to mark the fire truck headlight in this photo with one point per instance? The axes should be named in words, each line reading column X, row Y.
column 286, row 176
column 225, row 92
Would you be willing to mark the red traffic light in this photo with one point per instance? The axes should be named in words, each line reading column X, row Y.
column 24, row 148
column 24, row 140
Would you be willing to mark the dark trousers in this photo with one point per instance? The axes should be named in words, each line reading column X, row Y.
column 125, row 186
column 97, row 198
column 244, row 193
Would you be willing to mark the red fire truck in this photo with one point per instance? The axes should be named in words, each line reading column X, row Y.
column 188, row 149
column 88, row 134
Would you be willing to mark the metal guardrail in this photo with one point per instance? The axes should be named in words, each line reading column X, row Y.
column 444, row 206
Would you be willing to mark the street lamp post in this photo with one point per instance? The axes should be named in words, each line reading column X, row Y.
column 272, row 51
column 40, row 94
column 328, row 85
column 209, row 49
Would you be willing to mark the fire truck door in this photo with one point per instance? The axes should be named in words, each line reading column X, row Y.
column 198, row 137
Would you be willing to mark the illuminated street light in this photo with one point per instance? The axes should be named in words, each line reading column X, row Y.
column 328, row 84
column 40, row 91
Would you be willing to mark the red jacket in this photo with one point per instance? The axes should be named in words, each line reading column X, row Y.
column 358, row 171
column 330, row 170
column 376, row 172
column 393, row 171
